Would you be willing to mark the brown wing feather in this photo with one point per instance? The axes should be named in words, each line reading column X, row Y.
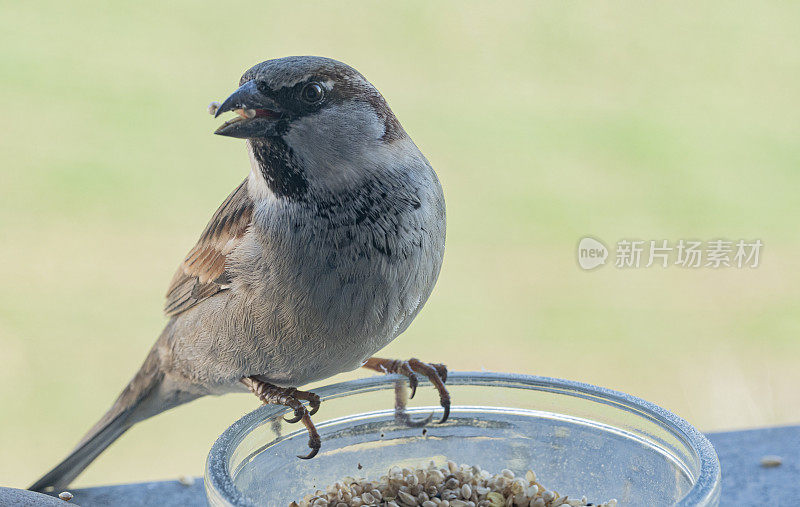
column 202, row 273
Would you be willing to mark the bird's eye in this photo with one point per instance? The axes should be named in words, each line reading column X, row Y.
column 312, row 93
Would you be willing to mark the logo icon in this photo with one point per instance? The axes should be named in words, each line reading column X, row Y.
column 591, row 253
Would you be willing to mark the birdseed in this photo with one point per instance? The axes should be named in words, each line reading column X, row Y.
column 771, row 461
column 186, row 480
column 449, row 485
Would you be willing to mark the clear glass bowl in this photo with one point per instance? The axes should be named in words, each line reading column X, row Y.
column 578, row 438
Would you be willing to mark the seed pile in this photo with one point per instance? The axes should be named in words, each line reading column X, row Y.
column 446, row 486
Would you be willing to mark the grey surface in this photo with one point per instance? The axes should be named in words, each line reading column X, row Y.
column 24, row 498
column 160, row 494
column 744, row 480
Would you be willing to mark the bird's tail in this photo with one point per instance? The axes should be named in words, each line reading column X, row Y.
column 145, row 396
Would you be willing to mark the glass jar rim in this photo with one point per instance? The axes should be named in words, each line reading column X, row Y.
column 219, row 482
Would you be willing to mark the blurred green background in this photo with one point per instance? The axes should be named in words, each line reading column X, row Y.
column 545, row 121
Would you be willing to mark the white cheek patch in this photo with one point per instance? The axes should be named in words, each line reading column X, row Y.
column 338, row 143
column 345, row 127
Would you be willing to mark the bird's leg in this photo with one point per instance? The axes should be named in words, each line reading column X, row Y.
column 400, row 414
column 290, row 397
column 436, row 373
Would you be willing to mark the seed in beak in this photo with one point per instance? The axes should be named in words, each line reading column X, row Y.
column 213, row 107
column 246, row 113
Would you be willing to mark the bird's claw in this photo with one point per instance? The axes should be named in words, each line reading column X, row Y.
column 435, row 372
column 290, row 397
column 413, row 382
column 298, row 415
column 314, row 440
column 446, row 410
column 313, row 402
column 402, row 417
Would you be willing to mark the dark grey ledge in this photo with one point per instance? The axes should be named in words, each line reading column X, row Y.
column 745, row 481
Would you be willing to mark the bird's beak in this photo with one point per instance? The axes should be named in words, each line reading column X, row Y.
column 257, row 113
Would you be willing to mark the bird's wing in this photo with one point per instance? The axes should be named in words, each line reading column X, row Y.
column 202, row 274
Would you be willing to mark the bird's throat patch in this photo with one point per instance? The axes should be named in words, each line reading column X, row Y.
column 282, row 172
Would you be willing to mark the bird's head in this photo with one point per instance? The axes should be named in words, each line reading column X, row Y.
column 311, row 121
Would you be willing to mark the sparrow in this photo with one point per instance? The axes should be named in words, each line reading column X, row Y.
column 324, row 254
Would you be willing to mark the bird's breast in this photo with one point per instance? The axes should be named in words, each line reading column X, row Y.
column 329, row 287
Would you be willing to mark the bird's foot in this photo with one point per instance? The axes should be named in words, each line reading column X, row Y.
column 290, row 397
column 400, row 413
column 436, row 373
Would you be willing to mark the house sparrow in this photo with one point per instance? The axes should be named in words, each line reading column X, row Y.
column 322, row 256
